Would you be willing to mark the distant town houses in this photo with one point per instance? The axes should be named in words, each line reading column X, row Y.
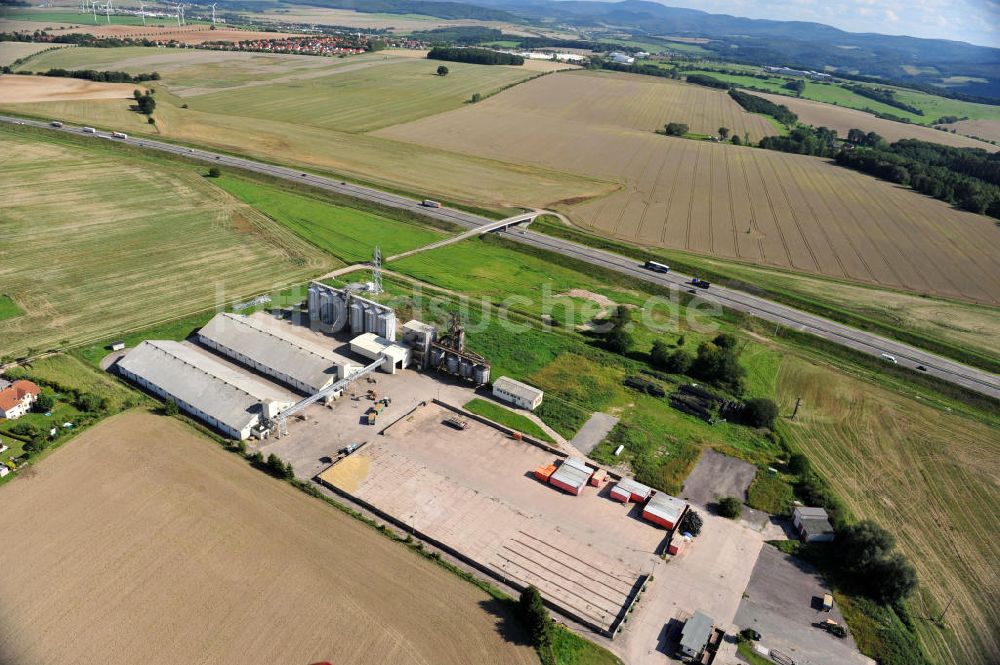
column 17, row 398
column 328, row 45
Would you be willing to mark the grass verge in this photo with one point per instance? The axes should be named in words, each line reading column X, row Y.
column 508, row 418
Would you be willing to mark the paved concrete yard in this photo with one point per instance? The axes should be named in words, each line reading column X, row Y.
column 781, row 605
column 598, row 426
column 710, row 575
column 474, row 491
column 718, row 475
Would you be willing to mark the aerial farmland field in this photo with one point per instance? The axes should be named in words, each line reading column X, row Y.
column 733, row 202
column 11, row 51
column 930, row 473
column 844, row 119
column 984, row 129
column 125, row 243
column 365, row 99
column 151, row 544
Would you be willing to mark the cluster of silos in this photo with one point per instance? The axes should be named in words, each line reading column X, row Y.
column 327, row 307
column 464, row 365
column 368, row 316
column 332, row 309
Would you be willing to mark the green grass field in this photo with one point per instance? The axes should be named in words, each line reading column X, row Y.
column 346, row 233
column 65, row 18
column 8, row 308
column 125, row 242
column 366, row 99
column 508, row 418
column 933, row 107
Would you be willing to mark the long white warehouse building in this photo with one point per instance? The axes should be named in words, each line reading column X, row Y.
column 264, row 348
column 218, row 394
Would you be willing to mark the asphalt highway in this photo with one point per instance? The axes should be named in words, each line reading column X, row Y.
column 972, row 378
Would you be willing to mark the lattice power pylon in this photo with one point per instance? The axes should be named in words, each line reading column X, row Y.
column 377, row 270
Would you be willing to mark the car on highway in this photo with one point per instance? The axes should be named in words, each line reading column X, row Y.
column 55, row 123
column 700, row 283
column 889, row 358
column 921, row 368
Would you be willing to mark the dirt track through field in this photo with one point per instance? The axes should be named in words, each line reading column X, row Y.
column 146, row 543
column 771, row 208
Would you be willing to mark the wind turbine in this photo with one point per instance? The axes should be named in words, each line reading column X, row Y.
column 93, row 5
column 177, row 8
column 142, row 11
column 107, row 10
column 213, row 13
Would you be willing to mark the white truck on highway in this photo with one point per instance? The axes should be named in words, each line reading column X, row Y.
column 119, row 135
column 89, row 130
column 427, row 203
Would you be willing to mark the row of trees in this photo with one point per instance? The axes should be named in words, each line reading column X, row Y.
column 883, row 95
column 716, row 362
column 478, row 56
column 102, row 77
column 755, row 104
column 819, row 142
column 707, row 81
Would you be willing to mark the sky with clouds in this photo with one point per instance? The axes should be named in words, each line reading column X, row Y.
column 975, row 21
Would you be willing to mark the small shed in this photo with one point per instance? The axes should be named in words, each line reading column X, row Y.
column 572, row 475
column 118, row 346
column 813, row 525
column 664, row 510
column 695, row 634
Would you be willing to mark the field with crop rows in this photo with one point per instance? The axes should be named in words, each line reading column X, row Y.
column 95, row 243
column 931, row 476
column 984, row 129
column 11, row 51
column 364, row 99
column 150, row 544
column 734, row 202
column 843, row 120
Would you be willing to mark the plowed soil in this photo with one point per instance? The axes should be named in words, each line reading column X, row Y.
column 141, row 542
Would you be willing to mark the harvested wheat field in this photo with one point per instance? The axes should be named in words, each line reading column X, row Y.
column 149, row 544
column 984, row 129
column 765, row 207
column 11, row 51
column 844, row 119
column 928, row 474
column 630, row 101
column 16, row 89
column 179, row 243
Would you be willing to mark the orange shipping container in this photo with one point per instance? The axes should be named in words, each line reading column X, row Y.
column 598, row 477
column 543, row 473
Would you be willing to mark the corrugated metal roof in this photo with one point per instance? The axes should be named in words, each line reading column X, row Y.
column 571, row 475
column 632, row 486
column 665, row 506
column 372, row 345
column 805, row 511
column 577, row 463
column 263, row 344
column 210, row 385
column 518, row 389
column 816, row 525
column 696, row 631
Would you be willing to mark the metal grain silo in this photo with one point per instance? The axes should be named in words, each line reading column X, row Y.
column 371, row 320
column 313, row 302
column 357, row 317
column 453, row 364
column 466, row 369
column 482, row 374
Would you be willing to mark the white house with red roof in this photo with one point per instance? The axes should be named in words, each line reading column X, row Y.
column 16, row 398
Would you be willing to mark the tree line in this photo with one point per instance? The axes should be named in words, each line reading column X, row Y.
column 478, row 56
column 707, row 81
column 103, row 77
column 883, row 95
column 755, row 104
column 648, row 70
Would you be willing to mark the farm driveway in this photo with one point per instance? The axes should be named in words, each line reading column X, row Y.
column 780, row 604
column 717, row 475
column 593, row 432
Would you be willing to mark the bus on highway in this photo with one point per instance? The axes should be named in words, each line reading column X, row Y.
column 656, row 267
